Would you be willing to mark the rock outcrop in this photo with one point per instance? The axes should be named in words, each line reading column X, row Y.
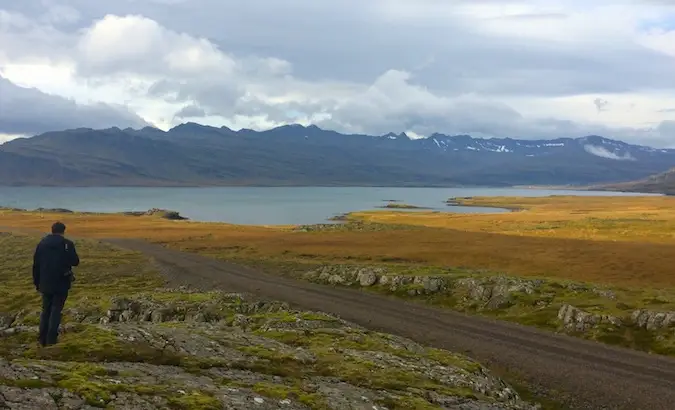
column 575, row 319
column 579, row 320
column 485, row 293
column 499, row 293
column 217, row 350
column 653, row 320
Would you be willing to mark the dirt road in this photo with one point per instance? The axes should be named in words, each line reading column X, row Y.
column 584, row 375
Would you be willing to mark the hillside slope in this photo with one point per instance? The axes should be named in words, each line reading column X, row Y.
column 662, row 183
column 191, row 154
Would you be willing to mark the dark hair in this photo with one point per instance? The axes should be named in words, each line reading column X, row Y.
column 58, row 228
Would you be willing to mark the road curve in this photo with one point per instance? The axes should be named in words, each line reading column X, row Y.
column 581, row 374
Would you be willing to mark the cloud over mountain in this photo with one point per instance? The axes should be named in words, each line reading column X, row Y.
column 514, row 68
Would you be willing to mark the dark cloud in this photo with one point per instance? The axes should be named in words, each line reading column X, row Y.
column 28, row 111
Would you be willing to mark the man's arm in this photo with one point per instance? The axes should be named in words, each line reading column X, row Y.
column 36, row 267
column 74, row 259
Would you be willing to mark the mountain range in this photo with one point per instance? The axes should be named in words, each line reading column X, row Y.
column 196, row 155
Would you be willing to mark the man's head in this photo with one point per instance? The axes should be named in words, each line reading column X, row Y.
column 58, row 228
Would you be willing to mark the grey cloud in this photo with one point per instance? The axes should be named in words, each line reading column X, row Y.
column 349, row 41
column 668, row 128
column 667, row 109
column 29, row 111
column 20, row 37
column 600, row 104
column 347, row 57
column 190, row 111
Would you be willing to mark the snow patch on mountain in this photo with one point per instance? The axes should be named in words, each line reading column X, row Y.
column 603, row 152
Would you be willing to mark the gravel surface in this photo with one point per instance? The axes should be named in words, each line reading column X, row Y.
column 580, row 374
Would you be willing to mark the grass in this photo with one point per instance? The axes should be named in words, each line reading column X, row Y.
column 78, row 363
column 108, row 272
column 622, row 241
column 643, row 219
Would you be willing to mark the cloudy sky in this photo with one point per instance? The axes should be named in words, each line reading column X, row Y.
column 506, row 68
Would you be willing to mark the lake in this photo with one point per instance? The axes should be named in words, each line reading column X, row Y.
column 257, row 205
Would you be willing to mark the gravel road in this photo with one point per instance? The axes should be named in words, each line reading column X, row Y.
column 581, row 374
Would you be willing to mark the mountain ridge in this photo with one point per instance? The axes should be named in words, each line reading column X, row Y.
column 661, row 183
column 191, row 154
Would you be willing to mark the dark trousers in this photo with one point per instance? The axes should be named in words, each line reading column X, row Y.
column 50, row 319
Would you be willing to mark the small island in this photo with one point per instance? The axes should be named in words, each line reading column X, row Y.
column 157, row 212
column 457, row 201
column 397, row 205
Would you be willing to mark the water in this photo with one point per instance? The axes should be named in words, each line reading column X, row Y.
column 257, row 205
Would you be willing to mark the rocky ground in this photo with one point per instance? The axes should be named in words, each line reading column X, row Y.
column 589, row 311
column 187, row 350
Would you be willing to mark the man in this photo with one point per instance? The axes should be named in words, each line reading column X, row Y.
column 52, row 276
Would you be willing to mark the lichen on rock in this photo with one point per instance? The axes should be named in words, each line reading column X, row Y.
column 177, row 349
column 575, row 319
column 653, row 320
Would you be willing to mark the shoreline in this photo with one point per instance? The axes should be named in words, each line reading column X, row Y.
column 393, row 206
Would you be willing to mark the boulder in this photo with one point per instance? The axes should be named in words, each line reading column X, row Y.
column 433, row 284
column 575, row 319
column 367, row 278
column 496, row 292
column 653, row 320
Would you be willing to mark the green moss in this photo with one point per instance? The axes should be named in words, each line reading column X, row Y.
column 87, row 381
column 317, row 316
column 406, row 403
column 95, row 384
column 451, row 359
column 319, row 341
column 195, row 401
column 26, row 383
column 365, row 373
column 272, row 362
column 282, row 316
column 281, row 392
column 182, row 297
column 91, row 343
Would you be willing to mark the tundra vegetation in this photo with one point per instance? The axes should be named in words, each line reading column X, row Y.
column 131, row 340
column 595, row 267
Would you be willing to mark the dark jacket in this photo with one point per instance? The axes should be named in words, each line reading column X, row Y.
column 54, row 257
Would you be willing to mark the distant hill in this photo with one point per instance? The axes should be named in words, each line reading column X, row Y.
column 196, row 155
column 662, row 183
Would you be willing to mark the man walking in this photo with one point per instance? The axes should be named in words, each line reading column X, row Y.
column 52, row 276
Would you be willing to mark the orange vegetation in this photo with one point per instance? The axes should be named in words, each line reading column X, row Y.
column 575, row 244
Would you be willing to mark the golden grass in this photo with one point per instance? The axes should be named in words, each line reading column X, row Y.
column 107, row 272
column 643, row 219
column 625, row 241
